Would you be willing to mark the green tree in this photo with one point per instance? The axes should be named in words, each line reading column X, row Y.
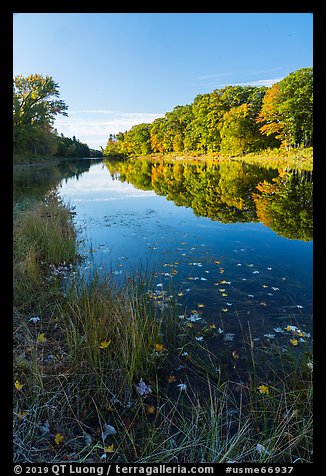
column 35, row 105
column 288, row 109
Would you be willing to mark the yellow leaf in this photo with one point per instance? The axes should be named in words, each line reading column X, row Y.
column 213, row 326
column 41, row 338
column 58, row 438
column 109, row 449
column 104, row 344
column 172, row 378
column 18, row 385
column 216, row 261
column 294, row 341
column 201, row 305
column 159, row 347
column 22, row 415
column 150, row 409
column 263, row 389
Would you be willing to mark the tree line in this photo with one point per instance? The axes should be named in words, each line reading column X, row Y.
column 36, row 103
column 232, row 120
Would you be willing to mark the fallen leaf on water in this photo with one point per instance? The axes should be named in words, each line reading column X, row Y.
column 294, row 341
column 173, row 378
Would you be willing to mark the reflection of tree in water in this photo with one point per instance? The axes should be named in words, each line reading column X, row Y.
column 39, row 181
column 229, row 191
column 286, row 205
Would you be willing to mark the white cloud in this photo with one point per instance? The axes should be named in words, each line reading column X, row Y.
column 95, row 132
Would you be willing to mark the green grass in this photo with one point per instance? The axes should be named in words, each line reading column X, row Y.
column 100, row 339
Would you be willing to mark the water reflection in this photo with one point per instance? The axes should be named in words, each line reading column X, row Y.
column 213, row 233
column 37, row 181
column 229, row 192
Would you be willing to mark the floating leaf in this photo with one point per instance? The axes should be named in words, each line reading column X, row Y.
column 294, row 341
column 150, row 409
column 58, row 438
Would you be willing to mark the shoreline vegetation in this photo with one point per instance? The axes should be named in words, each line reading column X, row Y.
column 299, row 158
column 103, row 373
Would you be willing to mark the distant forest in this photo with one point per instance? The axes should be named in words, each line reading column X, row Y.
column 233, row 120
column 35, row 104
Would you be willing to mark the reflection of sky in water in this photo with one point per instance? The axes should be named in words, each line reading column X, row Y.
column 270, row 276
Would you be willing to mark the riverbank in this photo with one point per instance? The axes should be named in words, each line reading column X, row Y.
column 20, row 162
column 118, row 374
column 300, row 159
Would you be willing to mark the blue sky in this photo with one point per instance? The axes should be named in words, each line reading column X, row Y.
column 119, row 69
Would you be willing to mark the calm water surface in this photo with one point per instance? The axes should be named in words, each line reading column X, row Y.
column 227, row 265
